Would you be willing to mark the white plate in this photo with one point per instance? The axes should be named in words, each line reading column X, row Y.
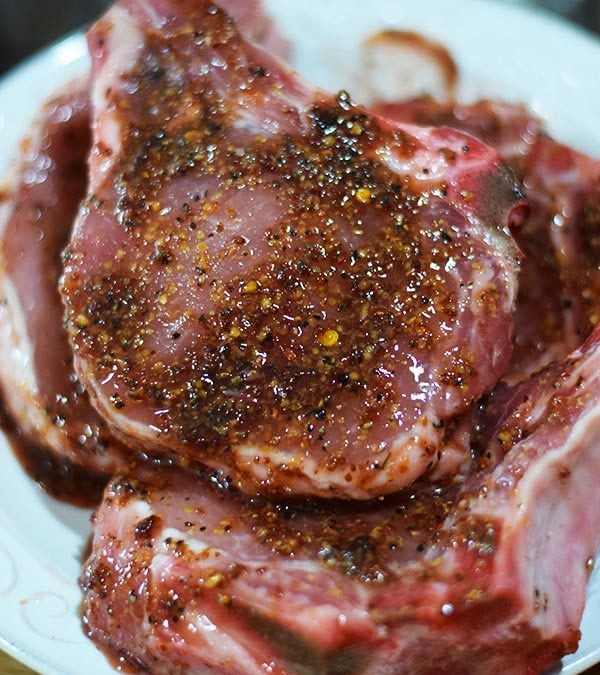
column 501, row 52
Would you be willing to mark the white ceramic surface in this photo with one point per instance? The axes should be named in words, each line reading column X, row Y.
column 502, row 51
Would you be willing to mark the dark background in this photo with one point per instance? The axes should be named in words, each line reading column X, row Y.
column 27, row 25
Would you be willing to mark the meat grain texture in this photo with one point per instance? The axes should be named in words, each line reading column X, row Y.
column 557, row 304
column 476, row 578
column 288, row 289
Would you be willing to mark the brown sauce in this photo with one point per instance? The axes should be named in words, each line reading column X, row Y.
column 58, row 476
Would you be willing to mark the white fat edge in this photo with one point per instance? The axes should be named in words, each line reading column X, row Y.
column 16, row 365
column 517, row 511
column 539, row 410
column 194, row 544
column 32, row 141
column 491, row 233
column 307, row 569
column 482, row 280
column 298, row 566
column 223, row 647
column 462, row 290
column 428, row 157
column 247, row 120
column 407, row 448
column 7, row 206
column 18, row 378
column 540, row 467
column 414, row 165
column 212, row 638
column 124, row 45
column 308, row 618
column 139, row 510
column 139, row 430
column 298, row 98
column 8, row 184
column 130, row 516
column 453, row 458
column 527, row 490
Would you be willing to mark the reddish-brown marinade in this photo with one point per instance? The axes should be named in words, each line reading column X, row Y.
column 288, row 288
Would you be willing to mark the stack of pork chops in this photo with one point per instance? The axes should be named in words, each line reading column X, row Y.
column 337, row 364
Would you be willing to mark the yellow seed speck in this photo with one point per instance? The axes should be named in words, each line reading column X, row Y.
column 235, row 332
column 363, row 195
column 504, row 437
column 354, row 376
column 250, row 287
column 82, row 321
column 329, row 141
column 214, row 580
column 330, row 338
column 163, row 298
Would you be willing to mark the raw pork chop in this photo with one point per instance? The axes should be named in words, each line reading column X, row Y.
column 286, row 288
column 563, row 187
column 557, row 304
column 191, row 578
column 38, row 382
column 46, row 401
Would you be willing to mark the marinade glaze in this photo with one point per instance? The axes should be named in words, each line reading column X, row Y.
column 57, row 436
column 60, row 477
column 56, row 433
column 470, row 577
column 557, row 304
column 287, row 288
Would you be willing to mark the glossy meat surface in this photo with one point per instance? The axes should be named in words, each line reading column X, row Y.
column 481, row 578
column 561, row 239
column 557, row 304
column 57, row 434
column 288, row 289
column 511, row 129
column 37, row 378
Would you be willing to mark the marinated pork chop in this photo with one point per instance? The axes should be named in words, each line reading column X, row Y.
column 563, row 187
column 287, row 288
column 191, row 578
column 46, row 401
column 37, row 379
column 557, row 304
